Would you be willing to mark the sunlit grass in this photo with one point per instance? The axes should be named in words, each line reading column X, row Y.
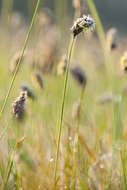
column 100, row 159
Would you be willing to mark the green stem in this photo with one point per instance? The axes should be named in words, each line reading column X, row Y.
column 99, row 27
column 62, row 108
column 31, row 7
column 9, row 168
column 76, row 137
column 19, row 62
column 123, row 164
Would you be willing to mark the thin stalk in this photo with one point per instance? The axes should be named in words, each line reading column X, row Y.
column 99, row 26
column 123, row 163
column 31, row 7
column 62, row 107
column 117, row 132
column 80, row 108
column 101, row 36
column 19, row 62
column 9, row 168
column 76, row 137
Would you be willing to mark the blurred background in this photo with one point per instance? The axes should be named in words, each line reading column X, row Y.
column 111, row 11
column 41, row 75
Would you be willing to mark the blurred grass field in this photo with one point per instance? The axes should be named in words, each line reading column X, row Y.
column 28, row 145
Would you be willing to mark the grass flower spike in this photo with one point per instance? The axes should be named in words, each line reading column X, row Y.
column 61, row 68
column 37, row 80
column 79, row 75
column 123, row 62
column 83, row 24
column 15, row 60
column 18, row 105
column 28, row 91
column 111, row 39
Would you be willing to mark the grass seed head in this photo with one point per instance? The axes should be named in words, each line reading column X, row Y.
column 83, row 24
column 28, row 90
column 123, row 62
column 47, row 53
column 37, row 80
column 14, row 61
column 111, row 39
column 79, row 75
column 18, row 105
column 62, row 65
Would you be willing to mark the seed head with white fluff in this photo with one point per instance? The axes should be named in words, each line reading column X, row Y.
column 83, row 24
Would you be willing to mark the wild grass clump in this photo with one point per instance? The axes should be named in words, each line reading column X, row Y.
column 63, row 119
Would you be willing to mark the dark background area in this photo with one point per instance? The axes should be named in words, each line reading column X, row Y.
column 112, row 12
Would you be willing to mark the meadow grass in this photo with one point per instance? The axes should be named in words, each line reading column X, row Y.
column 10, row 160
column 19, row 62
column 48, row 148
column 111, row 77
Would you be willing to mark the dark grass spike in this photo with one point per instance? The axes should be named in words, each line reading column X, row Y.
column 18, row 105
column 78, row 75
column 29, row 91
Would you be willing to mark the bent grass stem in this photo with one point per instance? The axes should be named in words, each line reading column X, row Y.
column 62, row 108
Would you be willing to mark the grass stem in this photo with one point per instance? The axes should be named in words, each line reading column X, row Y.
column 76, row 137
column 62, row 108
column 99, row 26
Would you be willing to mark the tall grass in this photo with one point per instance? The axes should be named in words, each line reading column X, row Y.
column 80, row 160
column 109, row 65
column 19, row 62
column 111, row 78
column 8, row 169
column 11, row 158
